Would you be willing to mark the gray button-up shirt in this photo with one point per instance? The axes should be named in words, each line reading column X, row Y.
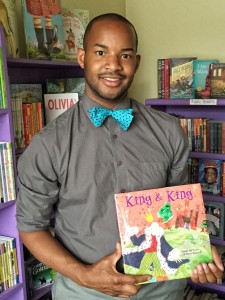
column 74, row 169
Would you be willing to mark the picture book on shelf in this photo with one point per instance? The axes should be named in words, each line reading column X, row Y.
column 218, row 80
column 56, row 104
column 181, row 77
column 66, row 85
column 74, row 24
column 202, row 75
column 28, row 92
column 163, row 231
column 215, row 219
column 210, row 175
column 43, row 30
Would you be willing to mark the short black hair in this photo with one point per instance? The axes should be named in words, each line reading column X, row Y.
column 108, row 16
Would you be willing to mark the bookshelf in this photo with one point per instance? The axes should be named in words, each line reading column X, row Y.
column 212, row 110
column 24, row 71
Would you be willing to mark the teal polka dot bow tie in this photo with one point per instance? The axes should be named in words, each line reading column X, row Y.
column 123, row 117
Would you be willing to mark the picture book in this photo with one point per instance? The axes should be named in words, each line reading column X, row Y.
column 210, row 175
column 28, row 92
column 8, row 19
column 163, row 231
column 43, row 35
column 181, row 77
column 56, row 104
column 215, row 219
column 74, row 24
column 202, row 75
column 218, row 80
column 66, row 85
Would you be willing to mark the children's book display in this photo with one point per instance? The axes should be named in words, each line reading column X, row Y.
column 163, row 231
column 215, row 219
column 210, row 175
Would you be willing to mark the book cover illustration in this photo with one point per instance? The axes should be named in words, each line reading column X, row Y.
column 163, row 231
column 43, row 29
column 181, row 77
column 215, row 219
column 74, row 24
column 202, row 75
column 218, row 80
column 66, row 85
column 8, row 19
column 210, row 175
column 56, row 104
column 28, row 92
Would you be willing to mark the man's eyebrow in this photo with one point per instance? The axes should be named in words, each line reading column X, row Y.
column 106, row 47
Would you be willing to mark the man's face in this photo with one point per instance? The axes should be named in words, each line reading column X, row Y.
column 210, row 175
column 109, row 61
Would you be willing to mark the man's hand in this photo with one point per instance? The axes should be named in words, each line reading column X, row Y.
column 211, row 272
column 103, row 277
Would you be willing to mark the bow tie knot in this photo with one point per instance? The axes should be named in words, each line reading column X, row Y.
column 123, row 117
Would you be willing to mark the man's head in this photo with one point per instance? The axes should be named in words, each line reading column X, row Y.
column 109, row 58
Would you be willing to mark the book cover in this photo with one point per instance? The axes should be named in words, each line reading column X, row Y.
column 66, row 85
column 56, row 104
column 218, row 80
column 43, row 30
column 74, row 24
column 181, row 77
column 163, row 231
column 210, row 175
column 202, row 75
column 8, row 19
column 28, row 92
column 215, row 219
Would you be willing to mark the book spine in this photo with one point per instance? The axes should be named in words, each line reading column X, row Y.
column 3, row 175
column 167, row 78
column 39, row 116
column 26, row 122
column 2, row 82
column 159, row 77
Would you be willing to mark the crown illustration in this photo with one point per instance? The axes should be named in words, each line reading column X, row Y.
column 210, row 164
column 149, row 217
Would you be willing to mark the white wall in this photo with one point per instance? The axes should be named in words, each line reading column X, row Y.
column 174, row 28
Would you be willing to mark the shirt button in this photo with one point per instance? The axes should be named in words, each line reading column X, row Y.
column 119, row 163
column 115, row 136
column 122, row 191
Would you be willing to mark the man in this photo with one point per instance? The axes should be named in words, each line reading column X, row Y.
column 76, row 164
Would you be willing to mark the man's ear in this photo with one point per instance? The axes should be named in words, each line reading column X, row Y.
column 138, row 59
column 80, row 57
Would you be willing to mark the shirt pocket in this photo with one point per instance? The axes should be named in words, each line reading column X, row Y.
column 154, row 174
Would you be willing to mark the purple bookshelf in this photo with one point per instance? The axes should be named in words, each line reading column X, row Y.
column 23, row 70
column 213, row 110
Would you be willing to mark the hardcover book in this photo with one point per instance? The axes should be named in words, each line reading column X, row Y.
column 56, row 104
column 181, row 77
column 74, row 24
column 28, row 92
column 210, row 175
column 66, row 85
column 218, row 80
column 44, row 35
column 215, row 219
column 202, row 75
column 163, row 231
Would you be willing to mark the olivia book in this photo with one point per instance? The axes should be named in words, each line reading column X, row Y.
column 163, row 231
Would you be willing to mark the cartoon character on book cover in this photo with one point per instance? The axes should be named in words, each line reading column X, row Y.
column 209, row 175
column 43, row 29
column 163, row 231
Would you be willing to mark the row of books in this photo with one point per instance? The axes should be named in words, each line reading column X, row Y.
column 210, row 173
column 204, row 135
column 7, row 177
column 189, row 77
column 3, row 100
column 9, row 275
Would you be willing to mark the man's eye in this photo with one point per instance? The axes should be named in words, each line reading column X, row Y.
column 126, row 56
column 100, row 53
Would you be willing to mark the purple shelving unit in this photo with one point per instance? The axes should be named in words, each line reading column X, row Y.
column 185, row 108
column 24, row 71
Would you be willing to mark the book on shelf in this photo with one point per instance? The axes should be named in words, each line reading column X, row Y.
column 217, row 80
column 163, row 231
column 74, row 24
column 202, row 75
column 66, row 85
column 56, row 104
column 9, row 21
column 44, row 35
column 215, row 218
column 163, row 78
column 3, row 99
column 18, row 125
column 28, row 92
column 181, row 77
column 210, row 175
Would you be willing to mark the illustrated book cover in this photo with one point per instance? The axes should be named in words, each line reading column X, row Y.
column 43, row 30
column 218, row 80
column 74, row 24
column 181, row 77
column 202, row 75
column 56, row 104
column 28, row 92
column 210, row 175
column 215, row 219
column 163, row 231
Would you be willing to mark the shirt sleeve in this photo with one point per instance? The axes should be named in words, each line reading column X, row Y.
column 38, row 187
